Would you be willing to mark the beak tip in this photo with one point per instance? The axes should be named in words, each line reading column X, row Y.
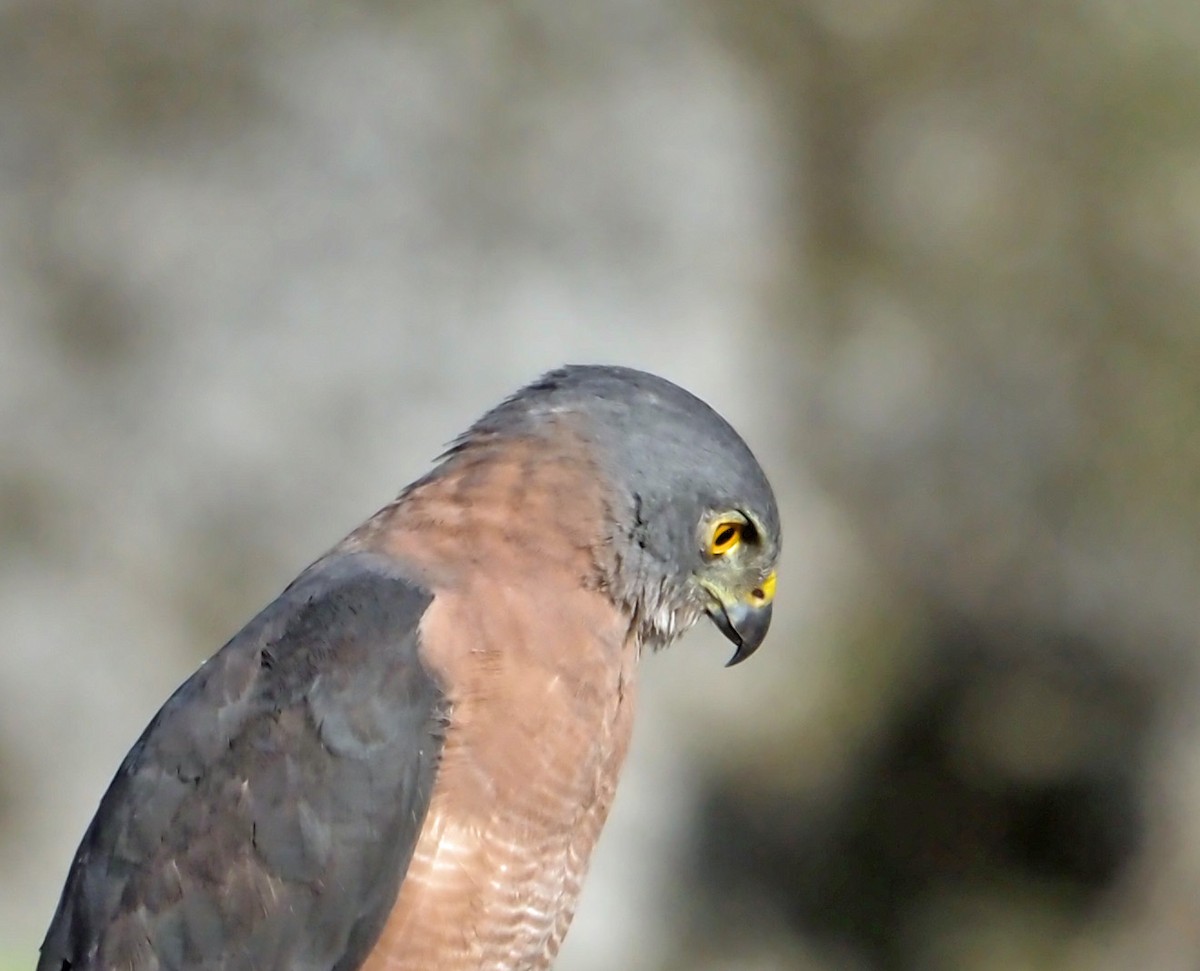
column 739, row 655
column 745, row 626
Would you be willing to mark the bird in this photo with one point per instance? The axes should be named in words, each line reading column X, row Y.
column 405, row 760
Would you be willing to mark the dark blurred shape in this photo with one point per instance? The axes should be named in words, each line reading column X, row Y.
column 969, row 785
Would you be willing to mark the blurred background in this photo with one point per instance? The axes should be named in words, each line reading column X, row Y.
column 936, row 259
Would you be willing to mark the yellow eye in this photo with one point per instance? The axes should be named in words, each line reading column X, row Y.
column 725, row 536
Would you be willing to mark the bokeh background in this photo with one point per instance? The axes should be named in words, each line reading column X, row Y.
column 937, row 259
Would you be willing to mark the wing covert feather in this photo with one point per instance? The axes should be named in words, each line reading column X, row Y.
column 266, row 816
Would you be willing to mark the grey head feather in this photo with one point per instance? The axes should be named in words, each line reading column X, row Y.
column 667, row 457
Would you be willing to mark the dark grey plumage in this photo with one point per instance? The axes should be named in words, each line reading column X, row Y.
column 300, row 756
column 666, row 447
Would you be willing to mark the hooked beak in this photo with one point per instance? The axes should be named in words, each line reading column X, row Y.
column 743, row 623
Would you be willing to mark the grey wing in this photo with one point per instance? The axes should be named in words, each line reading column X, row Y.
column 266, row 817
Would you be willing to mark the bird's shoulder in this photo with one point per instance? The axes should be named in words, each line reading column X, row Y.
column 348, row 623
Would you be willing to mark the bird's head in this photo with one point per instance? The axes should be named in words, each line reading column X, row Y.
column 692, row 528
column 735, row 579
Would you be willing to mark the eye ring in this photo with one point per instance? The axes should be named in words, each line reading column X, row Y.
column 725, row 536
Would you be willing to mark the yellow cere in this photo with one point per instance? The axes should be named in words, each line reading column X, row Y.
column 765, row 593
